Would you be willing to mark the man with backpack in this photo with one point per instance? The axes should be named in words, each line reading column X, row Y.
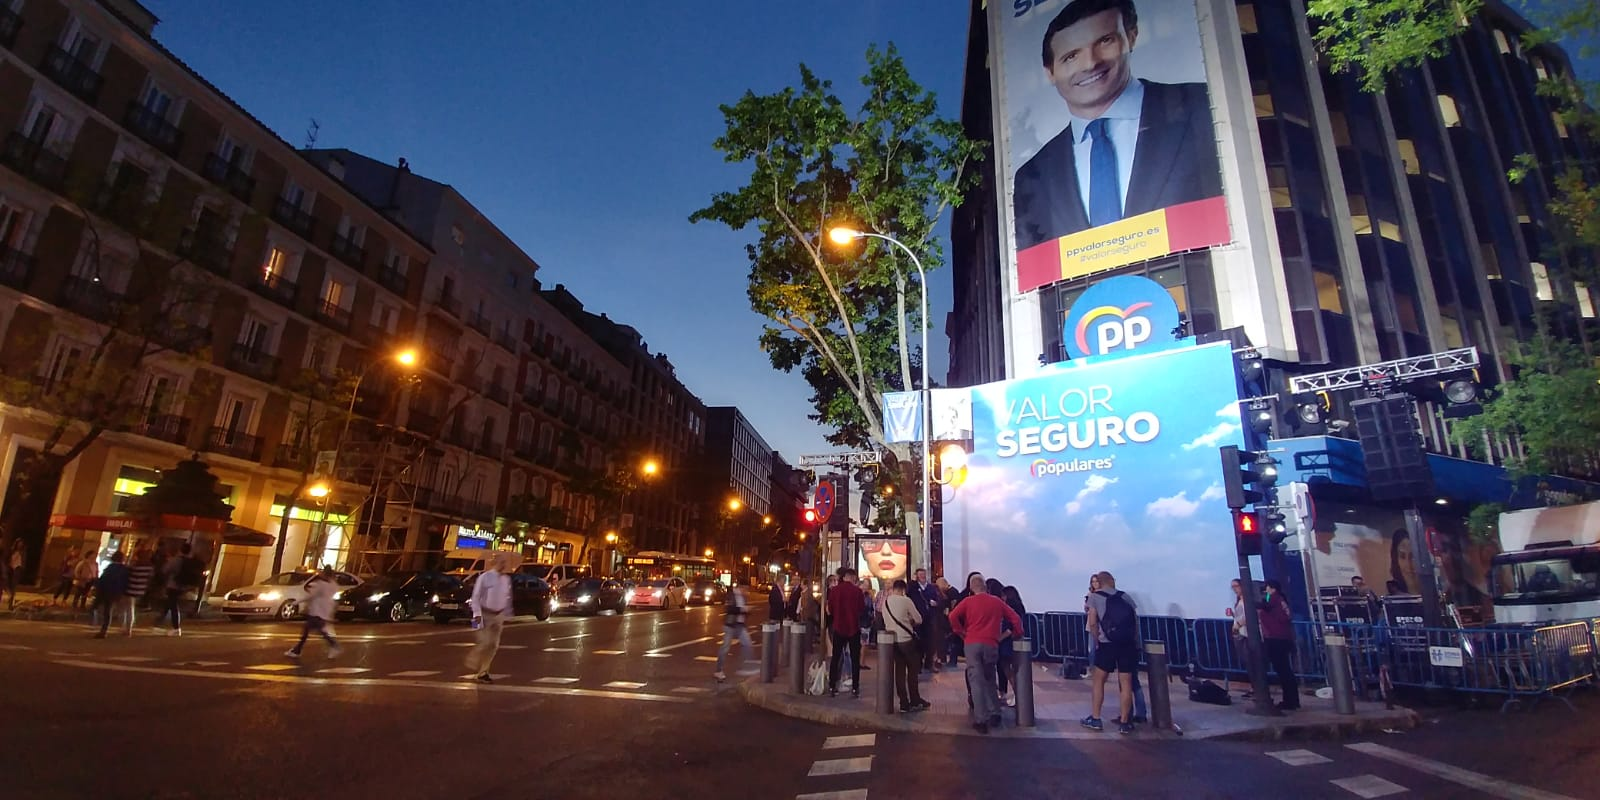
column 733, row 626
column 1114, row 622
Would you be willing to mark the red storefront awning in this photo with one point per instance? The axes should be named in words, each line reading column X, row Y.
column 231, row 533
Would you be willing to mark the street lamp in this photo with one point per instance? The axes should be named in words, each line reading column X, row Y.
column 650, row 467
column 318, row 490
column 843, row 236
column 405, row 357
column 734, row 504
column 709, row 552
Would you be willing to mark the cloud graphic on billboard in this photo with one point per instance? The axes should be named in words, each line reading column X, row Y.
column 1094, row 485
column 1179, row 506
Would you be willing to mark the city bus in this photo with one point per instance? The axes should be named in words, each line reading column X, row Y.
column 652, row 565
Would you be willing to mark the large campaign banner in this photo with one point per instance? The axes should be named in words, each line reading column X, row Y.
column 1107, row 141
column 1108, row 465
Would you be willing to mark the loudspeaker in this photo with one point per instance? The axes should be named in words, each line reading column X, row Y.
column 1397, row 466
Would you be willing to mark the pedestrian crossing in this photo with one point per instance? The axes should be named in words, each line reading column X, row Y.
column 1351, row 769
column 845, row 763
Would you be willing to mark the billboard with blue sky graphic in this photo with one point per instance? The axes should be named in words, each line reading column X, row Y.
column 1103, row 464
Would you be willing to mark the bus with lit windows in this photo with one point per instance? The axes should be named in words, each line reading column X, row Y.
column 655, row 565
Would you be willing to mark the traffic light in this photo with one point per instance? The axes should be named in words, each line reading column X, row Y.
column 811, row 516
column 1247, row 531
column 1247, row 477
column 1274, row 525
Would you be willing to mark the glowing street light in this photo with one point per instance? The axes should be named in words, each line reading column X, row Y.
column 611, row 537
column 650, row 467
column 734, row 504
column 766, row 520
column 406, row 357
column 709, row 552
column 318, row 490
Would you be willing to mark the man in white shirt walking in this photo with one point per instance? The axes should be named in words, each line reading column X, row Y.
column 733, row 628
column 491, row 605
column 320, row 594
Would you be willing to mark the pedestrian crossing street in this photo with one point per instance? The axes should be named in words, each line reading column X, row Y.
column 1351, row 774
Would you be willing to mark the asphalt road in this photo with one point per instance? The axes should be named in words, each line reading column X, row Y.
column 625, row 707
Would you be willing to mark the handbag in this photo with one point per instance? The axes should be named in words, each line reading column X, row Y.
column 817, row 679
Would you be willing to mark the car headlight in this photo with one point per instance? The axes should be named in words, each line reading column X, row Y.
column 379, row 596
column 658, row 593
column 435, row 599
column 583, row 598
column 708, row 594
column 271, row 596
column 337, row 595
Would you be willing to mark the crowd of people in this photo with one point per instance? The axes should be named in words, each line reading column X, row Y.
column 124, row 587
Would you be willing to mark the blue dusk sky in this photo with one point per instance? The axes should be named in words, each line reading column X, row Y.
column 584, row 132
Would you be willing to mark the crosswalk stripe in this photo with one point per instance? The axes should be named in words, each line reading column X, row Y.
column 494, row 675
column 1368, row 786
column 273, row 667
column 1454, row 774
column 561, row 649
column 14, row 647
column 624, row 685
column 513, row 647
column 131, row 659
column 414, row 673
column 460, row 644
column 555, row 679
column 840, row 766
column 608, row 652
column 692, row 690
column 841, row 794
column 658, row 655
column 343, row 671
column 841, row 742
column 201, row 664
column 705, row 658
column 408, row 641
column 1299, row 758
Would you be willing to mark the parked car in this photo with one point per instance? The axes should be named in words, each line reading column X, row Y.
column 707, row 593
column 558, row 574
column 395, row 596
column 665, row 594
column 281, row 596
column 591, row 596
column 529, row 595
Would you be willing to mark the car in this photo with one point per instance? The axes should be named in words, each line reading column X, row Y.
column 395, row 596
column 530, row 594
column 558, row 574
column 707, row 593
column 666, row 594
column 591, row 596
column 282, row 596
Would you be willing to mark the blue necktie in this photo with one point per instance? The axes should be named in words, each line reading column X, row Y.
column 1105, row 193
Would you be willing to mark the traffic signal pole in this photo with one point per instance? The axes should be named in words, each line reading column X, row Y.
column 1262, row 702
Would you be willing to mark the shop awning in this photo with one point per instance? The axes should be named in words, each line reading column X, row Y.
column 231, row 533
column 246, row 537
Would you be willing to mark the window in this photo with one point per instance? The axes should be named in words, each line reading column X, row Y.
column 66, row 364
column 1541, row 282
column 1278, row 187
column 320, row 355
column 1448, row 113
column 233, row 152
column 82, row 43
column 1328, row 295
column 385, row 317
column 276, row 264
column 356, row 234
column 159, row 393
column 156, row 100
column 296, row 195
column 1503, row 42
column 511, row 280
column 1263, row 99
column 1358, row 214
column 1341, row 128
column 1408, row 156
column 530, row 379
column 1247, row 18
column 235, row 415
column 398, row 262
column 13, row 226
column 336, row 294
column 45, row 125
column 255, row 335
column 1561, row 124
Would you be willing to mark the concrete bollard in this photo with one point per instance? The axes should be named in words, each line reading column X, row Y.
column 1022, row 655
column 885, row 667
column 1338, row 657
column 1160, row 695
column 797, row 658
column 769, row 652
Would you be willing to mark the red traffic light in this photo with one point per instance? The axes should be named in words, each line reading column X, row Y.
column 811, row 516
column 1247, row 531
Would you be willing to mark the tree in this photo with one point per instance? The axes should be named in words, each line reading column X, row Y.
column 320, row 411
column 842, row 317
column 1551, row 407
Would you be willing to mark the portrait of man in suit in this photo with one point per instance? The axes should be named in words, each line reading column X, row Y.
column 1131, row 146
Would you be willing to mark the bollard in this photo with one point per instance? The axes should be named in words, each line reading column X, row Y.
column 885, row 669
column 1339, row 672
column 797, row 659
column 1160, row 697
column 769, row 652
column 1022, row 656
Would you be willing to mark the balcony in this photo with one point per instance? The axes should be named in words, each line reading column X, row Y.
column 394, row 280
column 34, row 161
column 251, row 361
column 441, row 355
column 275, row 287
column 294, row 218
column 334, row 315
column 478, row 322
column 506, row 341
column 420, row 420
column 73, row 75
column 180, row 335
column 16, row 268
column 289, row 455
column 165, row 427
column 10, row 24
column 345, row 249
column 524, row 451
column 229, row 176
column 448, row 303
column 153, row 128
column 474, row 510
column 233, row 443
column 471, row 382
column 123, row 202
column 88, row 297
column 206, row 249
column 488, row 447
column 498, row 394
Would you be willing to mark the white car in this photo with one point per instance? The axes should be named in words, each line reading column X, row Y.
column 282, row 596
column 663, row 594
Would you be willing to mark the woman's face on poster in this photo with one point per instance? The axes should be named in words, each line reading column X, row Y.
column 887, row 560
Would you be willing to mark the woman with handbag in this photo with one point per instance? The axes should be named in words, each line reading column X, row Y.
column 902, row 620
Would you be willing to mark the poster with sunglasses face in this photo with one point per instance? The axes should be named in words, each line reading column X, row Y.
column 882, row 557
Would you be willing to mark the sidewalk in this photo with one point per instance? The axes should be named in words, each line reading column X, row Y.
column 39, row 606
column 1060, row 703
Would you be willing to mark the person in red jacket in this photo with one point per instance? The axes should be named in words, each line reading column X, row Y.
column 846, row 607
column 1277, row 639
column 977, row 621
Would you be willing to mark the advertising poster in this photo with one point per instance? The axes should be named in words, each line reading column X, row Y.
column 1099, row 467
column 1107, row 135
column 882, row 560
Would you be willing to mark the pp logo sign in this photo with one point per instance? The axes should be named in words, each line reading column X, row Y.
column 1119, row 315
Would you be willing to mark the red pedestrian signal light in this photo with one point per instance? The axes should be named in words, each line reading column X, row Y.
column 1247, row 531
column 811, row 516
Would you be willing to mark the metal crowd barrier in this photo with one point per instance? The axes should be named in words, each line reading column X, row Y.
column 1513, row 662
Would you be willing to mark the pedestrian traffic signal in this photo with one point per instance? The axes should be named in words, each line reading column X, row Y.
column 1247, row 477
column 811, row 516
column 1247, row 532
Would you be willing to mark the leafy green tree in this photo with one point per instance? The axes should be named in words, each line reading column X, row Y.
column 842, row 315
column 1551, row 406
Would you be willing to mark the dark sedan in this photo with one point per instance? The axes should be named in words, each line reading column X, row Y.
column 707, row 593
column 529, row 595
column 590, row 596
column 395, row 596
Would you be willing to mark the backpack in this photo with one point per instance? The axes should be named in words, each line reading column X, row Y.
column 1119, row 624
column 192, row 572
column 1204, row 691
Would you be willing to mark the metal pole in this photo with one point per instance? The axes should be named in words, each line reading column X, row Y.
column 885, row 669
column 1160, row 696
column 1262, row 704
column 1022, row 655
column 769, row 652
column 1422, row 556
column 1338, row 656
column 797, row 658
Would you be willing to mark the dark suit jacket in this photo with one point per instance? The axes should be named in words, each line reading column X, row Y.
column 1174, row 162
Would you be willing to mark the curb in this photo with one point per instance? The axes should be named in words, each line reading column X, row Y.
column 772, row 697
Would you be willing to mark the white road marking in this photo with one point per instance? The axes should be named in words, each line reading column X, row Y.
column 841, row 742
column 692, row 690
column 201, row 663
column 561, row 649
column 408, row 641
column 1299, row 758
column 840, row 766
column 1454, row 774
column 14, row 647
column 499, row 676
column 1368, row 786
column 608, row 652
column 565, row 638
column 343, row 671
column 513, row 647
column 414, row 673
column 460, row 644
column 555, row 679
column 705, row 658
column 658, row 655
column 273, row 667
column 70, row 655
column 624, row 685
column 748, row 672
column 131, row 659
column 842, row 794
column 656, row 650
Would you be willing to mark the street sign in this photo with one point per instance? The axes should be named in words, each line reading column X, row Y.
column 824, row 501
column 852, row 459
